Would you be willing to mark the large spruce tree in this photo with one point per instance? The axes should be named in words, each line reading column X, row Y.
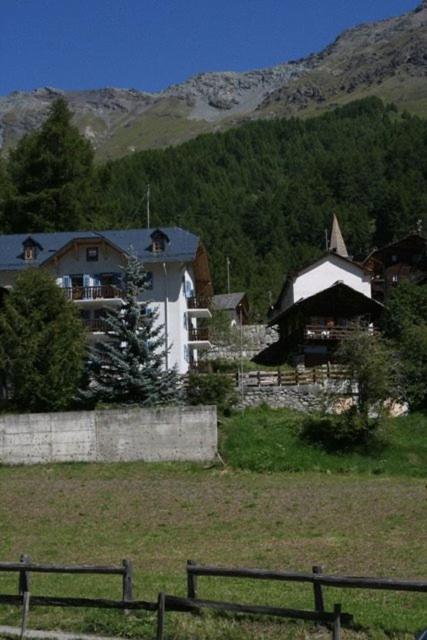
column 42, row 345
column 52, row 173
column 127, row 366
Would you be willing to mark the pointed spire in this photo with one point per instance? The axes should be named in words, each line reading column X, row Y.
column 336, row 243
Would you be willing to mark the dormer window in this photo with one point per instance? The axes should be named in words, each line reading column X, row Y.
column 29, row 253
column 158, row 245
column 159, row 240
column 31, row 249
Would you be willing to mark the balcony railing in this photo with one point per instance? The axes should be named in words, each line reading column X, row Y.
column 197, row 335
column 196, row 302
column 323, row 332
column 95, row 325
column 102, row 291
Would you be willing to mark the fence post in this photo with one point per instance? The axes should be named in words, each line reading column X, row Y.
column 160, row 616
column 24, row 576
column 319, row 604
column 336, row 631
column 25, row 612
column 127, row 588
column 259, row 378
column 279, row 377
column 191, row 581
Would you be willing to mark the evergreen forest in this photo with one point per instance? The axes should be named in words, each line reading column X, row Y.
column 262, row 194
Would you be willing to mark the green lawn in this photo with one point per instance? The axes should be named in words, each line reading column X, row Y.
column 265, row 439
column 161, row 515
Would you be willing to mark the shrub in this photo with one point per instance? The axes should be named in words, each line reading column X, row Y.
column 347, row 431
column 211, row 388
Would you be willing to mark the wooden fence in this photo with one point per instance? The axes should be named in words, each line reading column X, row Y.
column 192, row 603
column 286, row 377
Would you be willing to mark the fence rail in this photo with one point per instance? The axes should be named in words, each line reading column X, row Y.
column 286, row 378
column 192, row 603
column 316, row 577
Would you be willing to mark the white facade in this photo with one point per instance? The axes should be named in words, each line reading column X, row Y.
column 94, row 285
column 323, row 274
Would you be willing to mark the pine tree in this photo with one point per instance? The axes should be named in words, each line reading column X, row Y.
column 42, row 344
column 127, row 367
column 52, row 173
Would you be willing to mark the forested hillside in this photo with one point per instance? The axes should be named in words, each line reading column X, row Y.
column 263, row 194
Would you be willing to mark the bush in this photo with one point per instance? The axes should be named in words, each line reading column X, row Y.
column 211, row 388
column 348, row 431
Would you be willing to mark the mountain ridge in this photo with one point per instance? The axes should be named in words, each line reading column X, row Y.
column 386, row 58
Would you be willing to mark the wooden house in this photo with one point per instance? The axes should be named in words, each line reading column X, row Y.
column 405, row 259
column 320, row 305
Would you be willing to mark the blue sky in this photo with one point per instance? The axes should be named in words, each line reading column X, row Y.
column 149, row 44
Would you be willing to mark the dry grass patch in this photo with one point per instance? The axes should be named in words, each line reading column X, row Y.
column 162, row 515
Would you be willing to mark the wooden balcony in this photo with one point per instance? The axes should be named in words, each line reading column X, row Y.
column 322, row 332
column 198, row 307
column 99, row 292
column 198, row 335
column 95, row 325
column 197, row 302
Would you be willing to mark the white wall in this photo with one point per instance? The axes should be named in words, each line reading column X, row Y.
column 167, row 294
column 324, row 274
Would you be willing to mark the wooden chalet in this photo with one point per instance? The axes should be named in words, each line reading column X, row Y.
column 405, row 259
column 321, row 305
column 311, row 329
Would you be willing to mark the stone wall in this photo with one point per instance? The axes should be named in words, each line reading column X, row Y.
column 163, row 434
column 304, row 397
column 247, row 344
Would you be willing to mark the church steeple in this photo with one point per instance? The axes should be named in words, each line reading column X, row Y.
column 336, row 243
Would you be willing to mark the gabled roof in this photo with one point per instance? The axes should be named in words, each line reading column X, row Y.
column 331, row 297
column 182, row 245
column 293, row 275
column 407, row 242
column 227, row 301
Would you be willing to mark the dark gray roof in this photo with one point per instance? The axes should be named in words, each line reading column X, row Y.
column 182, row 245
column 227, row 301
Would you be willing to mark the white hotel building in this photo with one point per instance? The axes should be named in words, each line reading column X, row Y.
column 88, row 265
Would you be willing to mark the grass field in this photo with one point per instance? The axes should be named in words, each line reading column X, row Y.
column 265, row 439
column 161, row 515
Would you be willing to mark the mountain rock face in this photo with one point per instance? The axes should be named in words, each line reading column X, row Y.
column 387, row 59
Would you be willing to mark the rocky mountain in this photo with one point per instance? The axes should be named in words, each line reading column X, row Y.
column 387, row 59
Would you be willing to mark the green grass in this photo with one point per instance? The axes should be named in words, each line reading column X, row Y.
column 265, row 439
column 161, row 515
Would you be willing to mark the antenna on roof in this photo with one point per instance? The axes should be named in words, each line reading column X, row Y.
column 228, row 274
column 148, row 206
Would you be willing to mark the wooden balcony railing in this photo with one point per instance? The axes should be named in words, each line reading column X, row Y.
column 95, row 325
column 196, row 302
column 323, row 332
column 196, row 335
column 102, row 291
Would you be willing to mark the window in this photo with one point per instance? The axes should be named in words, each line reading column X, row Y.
column 92, row 254
column 29, row 253
column 158, row 245
column 158, row 241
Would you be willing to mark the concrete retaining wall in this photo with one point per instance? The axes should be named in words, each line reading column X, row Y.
column 163, row 434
